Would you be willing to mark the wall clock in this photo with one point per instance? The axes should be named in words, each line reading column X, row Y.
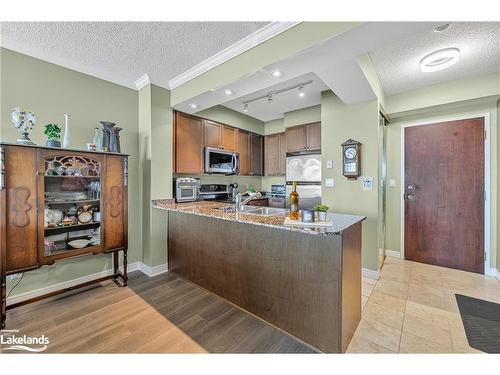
column 85, row 214
column 351, row 159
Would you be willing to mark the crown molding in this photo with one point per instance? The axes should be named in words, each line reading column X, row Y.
column 142, row 82
column 260, row 36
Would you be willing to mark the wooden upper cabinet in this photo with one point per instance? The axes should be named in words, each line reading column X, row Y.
column 18, row 209
column 188, row 148
column 256, row 154
column 228, row 137
column 313, row 132
column 220, row 136
column 282, row 154
column 271, row 159
column 296, row 138
column 243, row 148
column 213, row 136
column 304, row 137
column 115, row 199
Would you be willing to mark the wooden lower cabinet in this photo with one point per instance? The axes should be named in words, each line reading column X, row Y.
column 60, row 204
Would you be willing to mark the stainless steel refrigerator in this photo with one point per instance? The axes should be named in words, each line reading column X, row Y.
column 306, row 171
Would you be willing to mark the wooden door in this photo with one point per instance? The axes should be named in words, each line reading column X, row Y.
column 313, row 136
column 282, row 154
column 271, row 158
column 188, row 137
column 228, row 135
column 256, row 154
column 115, row 202
column 296, row 138
column 212, row 134
column 19, row 223
column 243, row 148
column 444, row 194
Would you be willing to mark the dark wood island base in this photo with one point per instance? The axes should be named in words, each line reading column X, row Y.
column 309, row 285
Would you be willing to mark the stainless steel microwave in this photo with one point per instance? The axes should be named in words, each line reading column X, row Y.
column 221, row 161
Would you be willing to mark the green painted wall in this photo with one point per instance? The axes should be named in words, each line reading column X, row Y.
column 155, row 150
column 50, row 91
column 497, row 188
column 275, row 49
column 340, row 122
column 274, row 126
column 446, row 111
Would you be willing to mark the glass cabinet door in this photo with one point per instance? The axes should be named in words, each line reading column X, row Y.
column 72, row 197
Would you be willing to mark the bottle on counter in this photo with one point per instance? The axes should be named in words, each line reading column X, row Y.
column 294, row 203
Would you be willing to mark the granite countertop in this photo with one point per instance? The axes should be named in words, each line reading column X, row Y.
column 212, row 209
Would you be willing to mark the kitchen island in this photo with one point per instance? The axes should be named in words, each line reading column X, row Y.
column 306, row 281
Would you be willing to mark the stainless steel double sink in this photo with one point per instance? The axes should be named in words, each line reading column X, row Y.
column 256, row 210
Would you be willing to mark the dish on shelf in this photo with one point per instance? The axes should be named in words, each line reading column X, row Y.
column 78, row 244
column 52, row 217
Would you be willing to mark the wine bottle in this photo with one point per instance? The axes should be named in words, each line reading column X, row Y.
column 294, row 203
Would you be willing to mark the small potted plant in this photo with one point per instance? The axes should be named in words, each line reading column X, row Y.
column 322, row 210
column 53, row 134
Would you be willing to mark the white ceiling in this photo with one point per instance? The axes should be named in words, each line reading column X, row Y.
column 284, row 102
column 333, row 61
column 122, row 52
column 397, row 63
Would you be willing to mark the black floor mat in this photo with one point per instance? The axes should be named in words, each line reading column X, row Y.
column 481, row 322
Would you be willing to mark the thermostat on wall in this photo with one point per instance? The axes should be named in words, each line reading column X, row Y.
column 367, row 183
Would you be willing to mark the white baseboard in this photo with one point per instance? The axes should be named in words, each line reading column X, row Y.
column 492, row 272
column 370, row 274
column 153, row 271
column 147, row 270
column 498, row 275
column 393, row 253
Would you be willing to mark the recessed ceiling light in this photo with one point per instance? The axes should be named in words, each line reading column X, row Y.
column 192, row 105
column 276, row 73
column 441, row 28
column 228, row 92
column 439, row 60
column 301, row 92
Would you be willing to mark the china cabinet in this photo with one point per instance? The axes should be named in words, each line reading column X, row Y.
column 57, row 204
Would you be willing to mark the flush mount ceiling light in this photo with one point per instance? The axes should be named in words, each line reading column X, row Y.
column 228, row 92
column 276, row 73
column 192, row 105
column 301, row 92
column 439, row 60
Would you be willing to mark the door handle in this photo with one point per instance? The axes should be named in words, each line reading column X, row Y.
column 411, row 197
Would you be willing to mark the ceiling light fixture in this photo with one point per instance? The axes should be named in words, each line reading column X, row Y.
column 228, row 92
column 439, row 60
column 270, row 94
column 192, row 105
column 276, row 73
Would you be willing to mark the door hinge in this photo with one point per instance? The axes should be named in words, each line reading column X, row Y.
column 485, row 134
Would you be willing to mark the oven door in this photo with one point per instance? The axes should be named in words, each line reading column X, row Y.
column 220, row 161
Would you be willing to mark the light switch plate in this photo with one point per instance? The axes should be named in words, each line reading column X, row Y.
column 329, row 164
column 392, row 182
column 329, row 182
column 367, row 183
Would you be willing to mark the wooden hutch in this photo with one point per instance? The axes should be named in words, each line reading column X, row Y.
column 57, row 204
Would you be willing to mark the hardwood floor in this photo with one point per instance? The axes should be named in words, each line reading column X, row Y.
column 164, row 314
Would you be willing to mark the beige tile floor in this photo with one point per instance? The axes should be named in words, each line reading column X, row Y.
column 412, row 309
